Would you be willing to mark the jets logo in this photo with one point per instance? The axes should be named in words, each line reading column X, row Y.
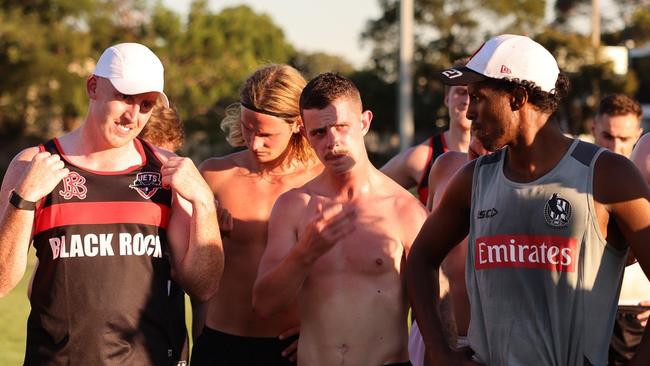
column 74, row 185
column 146, row 184
column 557, row 211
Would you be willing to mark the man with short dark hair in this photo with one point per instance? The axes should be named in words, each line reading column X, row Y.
column 120, row 229
column 544, row 260
column 338, row 244
column 617, row 126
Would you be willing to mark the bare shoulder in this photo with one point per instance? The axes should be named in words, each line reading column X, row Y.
column 451, row 160
column 292, row 203
column 17, row 167
column 418, row 154
column 616, row 179
column 406, row 204
column 18, row 163
column 218, row 168
column 447, row 164
column 641, row 156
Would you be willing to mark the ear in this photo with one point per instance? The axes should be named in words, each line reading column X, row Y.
column 91, row 87
column 518, row 98
column 639, row 132
column 366, row 118
column 593, row 126
column 446, row 99
column 296, row 126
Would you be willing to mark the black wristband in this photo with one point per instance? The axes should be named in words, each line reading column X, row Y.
column 21, row 203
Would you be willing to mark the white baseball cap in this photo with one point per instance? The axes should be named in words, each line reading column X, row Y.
column 133, row 69
column 507, row 56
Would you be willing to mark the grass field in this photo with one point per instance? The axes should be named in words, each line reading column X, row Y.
column 14, row 310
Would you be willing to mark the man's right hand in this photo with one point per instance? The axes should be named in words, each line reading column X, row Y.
column 43, row 173
column 327, row 227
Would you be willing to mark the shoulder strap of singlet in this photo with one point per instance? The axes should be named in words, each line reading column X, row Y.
column 149, row 153
column 437, row 147
column 50, row 146
column 585, row 152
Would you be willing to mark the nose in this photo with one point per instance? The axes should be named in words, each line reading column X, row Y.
column 471, row 112
column 618, row 147
column 332, row 138
column 257, row 143
column 132, row 111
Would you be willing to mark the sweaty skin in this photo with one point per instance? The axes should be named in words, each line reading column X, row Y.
column 408, row 167
column 338, row 245
column 246, row 184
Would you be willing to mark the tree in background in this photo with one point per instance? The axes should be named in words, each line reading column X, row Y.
column 446, row 31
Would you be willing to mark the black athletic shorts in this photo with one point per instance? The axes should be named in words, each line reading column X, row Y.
column 215, row 348
column 626, row 337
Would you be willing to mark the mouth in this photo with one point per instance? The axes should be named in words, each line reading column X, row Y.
column 124, row 128
column 334, row 156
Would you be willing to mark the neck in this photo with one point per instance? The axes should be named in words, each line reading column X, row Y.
column 352, row 183
column 89, row 151
column 457, row 138
column 282, row 165
column 530, row 156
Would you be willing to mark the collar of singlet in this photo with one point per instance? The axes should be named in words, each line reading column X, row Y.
column 264, row 111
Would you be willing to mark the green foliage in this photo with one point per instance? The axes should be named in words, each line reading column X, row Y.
column 447, row 31
column 312, row 64
column 48, row 48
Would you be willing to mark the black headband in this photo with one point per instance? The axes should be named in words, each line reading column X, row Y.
column 263, row 111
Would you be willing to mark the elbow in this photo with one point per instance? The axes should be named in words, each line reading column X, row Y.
column 206, row 293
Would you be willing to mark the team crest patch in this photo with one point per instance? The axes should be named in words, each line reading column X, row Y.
column 557, row 211
column 147, row 184
column 74, row 185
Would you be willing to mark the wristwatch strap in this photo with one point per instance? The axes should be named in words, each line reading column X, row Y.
column 21, row 203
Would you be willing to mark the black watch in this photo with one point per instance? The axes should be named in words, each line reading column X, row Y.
column 21, row 203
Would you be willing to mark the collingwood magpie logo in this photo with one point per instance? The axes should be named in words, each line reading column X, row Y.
column 557, row 211
column 146, row 184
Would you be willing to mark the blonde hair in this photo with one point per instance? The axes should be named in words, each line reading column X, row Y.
column 164, row 128
column 274, row 90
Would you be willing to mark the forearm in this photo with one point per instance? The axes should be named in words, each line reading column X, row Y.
column 279, row 287
column 202, row 264
column 15, row 235
column 421, row 279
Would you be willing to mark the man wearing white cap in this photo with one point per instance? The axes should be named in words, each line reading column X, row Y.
column 543, row 266
column 120, row 228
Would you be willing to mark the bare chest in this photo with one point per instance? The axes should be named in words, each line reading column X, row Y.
column 373, row 247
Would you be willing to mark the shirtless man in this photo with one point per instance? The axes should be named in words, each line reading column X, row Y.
column 411, row 167
column 246, row 184
column 338, row 243
column 543, row 265
column 454, row 303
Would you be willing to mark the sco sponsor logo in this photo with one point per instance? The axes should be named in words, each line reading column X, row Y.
column 553, row 253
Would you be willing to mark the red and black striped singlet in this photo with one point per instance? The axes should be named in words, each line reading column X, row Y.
column 437, row 147
column 102, row 292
